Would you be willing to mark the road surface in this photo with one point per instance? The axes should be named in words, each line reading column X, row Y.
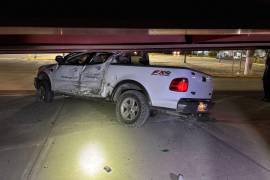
column 47, row 141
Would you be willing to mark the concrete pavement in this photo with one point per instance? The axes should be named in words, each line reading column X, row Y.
column 49, row 141
column 22, row 129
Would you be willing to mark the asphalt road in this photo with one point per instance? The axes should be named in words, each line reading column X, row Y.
column 49, row 141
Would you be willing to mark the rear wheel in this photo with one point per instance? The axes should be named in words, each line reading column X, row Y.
column 44, row 92
column 132, row 108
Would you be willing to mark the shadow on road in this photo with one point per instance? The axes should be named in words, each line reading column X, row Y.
column 25, row 120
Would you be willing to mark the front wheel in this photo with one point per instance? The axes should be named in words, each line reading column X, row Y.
column 44, row 92
column 132, row 108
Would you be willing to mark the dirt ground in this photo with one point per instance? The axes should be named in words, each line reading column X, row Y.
column 212, row 66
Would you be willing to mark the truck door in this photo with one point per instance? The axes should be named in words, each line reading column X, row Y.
column 67, row 76
column 92, row 75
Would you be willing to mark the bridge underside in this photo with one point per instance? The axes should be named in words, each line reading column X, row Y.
column 44, row 39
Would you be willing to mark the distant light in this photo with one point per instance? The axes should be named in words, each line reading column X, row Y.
column 176, row 53
column 92, row 160
column 239, row 31
column 135, row 52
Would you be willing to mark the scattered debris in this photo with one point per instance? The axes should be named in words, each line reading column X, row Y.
column 107, row 169
column 165, row 150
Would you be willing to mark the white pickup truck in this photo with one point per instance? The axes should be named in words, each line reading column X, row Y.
column 128, row 80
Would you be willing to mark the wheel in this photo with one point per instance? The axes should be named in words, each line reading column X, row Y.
column 44, row 92
column 132, row 108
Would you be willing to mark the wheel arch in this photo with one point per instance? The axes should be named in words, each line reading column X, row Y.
column 126, row 85
column 43, row 76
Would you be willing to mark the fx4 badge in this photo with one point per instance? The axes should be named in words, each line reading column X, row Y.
column 161, row 73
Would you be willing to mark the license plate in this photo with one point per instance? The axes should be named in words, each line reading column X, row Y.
column 202, row 107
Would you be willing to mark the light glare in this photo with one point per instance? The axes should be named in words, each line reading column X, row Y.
column 91, row 160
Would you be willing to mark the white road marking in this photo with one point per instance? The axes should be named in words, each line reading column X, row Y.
column 33, row 167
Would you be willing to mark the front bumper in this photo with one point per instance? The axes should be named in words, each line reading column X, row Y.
column 194, row 106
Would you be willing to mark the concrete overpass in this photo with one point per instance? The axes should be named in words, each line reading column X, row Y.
column 52, row 39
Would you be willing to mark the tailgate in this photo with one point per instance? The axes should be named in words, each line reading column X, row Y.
column 200, row 85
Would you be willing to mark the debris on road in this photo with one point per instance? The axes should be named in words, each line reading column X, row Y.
column 108, row 169
column 165, row 150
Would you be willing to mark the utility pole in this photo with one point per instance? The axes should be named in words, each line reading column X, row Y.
column 240, row 66
column 248, row 63
column 233, row 66
column 185, row 57
column 219, row 57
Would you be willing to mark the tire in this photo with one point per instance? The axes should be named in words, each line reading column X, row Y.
column 132, row 108
column 44, row 92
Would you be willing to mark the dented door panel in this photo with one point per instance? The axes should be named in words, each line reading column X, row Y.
column 66, row 78
column 91, row 79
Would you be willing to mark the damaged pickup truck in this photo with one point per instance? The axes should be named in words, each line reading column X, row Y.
column 130, row 81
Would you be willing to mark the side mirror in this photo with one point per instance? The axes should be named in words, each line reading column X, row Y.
column 59, row 59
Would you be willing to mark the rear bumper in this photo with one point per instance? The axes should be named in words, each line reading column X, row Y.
column 190, row 106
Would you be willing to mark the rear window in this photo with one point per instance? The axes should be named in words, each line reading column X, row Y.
column 100, row 58
column 132, row 59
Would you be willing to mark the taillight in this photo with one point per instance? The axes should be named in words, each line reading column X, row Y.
column 179, row 85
